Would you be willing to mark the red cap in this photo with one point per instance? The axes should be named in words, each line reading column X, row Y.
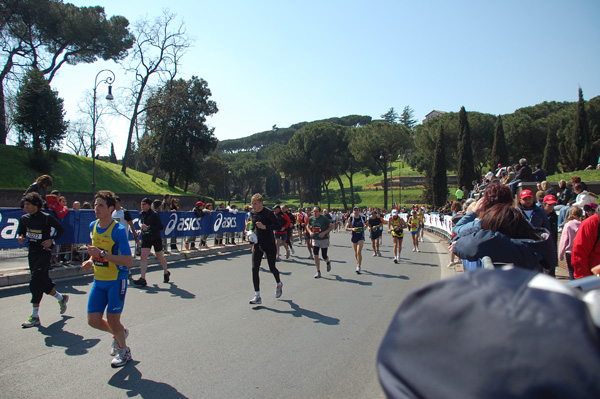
column 550, row 199
column 199, row 203
column 525, row 194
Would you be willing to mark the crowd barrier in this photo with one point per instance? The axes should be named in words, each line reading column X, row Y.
column 77, row 225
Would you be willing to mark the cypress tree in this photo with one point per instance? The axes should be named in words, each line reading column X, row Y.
column 499, row 150
column 113, row 156
column 439, row 180
column 550, row 161
column 466, row 167
column 581, row 135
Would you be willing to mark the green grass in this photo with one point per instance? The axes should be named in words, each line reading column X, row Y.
column 586, row 176
column 74, row 173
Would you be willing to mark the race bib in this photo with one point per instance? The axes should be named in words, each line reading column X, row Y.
column 34, row 234
column 100, row 262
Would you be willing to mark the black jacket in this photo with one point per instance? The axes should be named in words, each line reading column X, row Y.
column 154, row 223
column 37, row 228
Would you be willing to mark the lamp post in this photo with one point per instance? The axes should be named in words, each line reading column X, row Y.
column 108, row 80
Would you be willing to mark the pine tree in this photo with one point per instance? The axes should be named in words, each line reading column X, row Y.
column 499, row 150
column 391, row 116
column 408, row 117
column 113, row 156
column 550, row 162
column 439, row 179
column 466, row 167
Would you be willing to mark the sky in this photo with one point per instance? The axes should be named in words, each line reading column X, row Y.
column 280, row 62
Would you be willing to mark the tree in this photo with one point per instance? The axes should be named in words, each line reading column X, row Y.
column 46, row 34
column 179, row 111
column 580, row 149
column 466, row 170
column 550, row 162
column 439, row 177
column 408, row 118
column 499, row 150
column 157, row 52
column 380, row 142
column 113, row 157
column 391, row 116
column 40, row 113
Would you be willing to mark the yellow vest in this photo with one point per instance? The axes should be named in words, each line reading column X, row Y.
column 103, row 269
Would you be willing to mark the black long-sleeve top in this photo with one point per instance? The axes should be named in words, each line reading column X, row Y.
column 37, row 228
column 155, row 226
column 268, row 218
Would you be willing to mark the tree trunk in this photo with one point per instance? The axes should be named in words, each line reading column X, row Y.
column 3, row 130
column 163, row 141
column 339, row 179
column 132, row 123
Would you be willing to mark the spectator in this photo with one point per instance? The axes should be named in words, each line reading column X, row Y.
column 40, row 186
column 586, row 252
column 590, row 209
column 575, row 179
column 582, row 196
column 565, row 193
column 523, row 175
column 495, row 193
column 548, row 189
column 533, row 214
column 506, row 237
column 539, row 175
column 207, row 211
column 548, row 206
column 569, row 232
column 459, row 194
column 199, row 213
column 76, row 205
column 86, row 205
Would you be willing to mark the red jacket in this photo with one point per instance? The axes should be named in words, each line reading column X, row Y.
column 52, row 201
column 586, row 252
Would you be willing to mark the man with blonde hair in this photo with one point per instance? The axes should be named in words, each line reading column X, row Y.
column 264, row 223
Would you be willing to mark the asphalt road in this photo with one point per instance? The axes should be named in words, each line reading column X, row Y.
column 197, row 337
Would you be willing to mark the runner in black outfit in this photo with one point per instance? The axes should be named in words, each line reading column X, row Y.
column 35, row 226
column 151, row 237
column 264, row 223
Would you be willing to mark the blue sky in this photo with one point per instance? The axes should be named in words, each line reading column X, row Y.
column 283, row 62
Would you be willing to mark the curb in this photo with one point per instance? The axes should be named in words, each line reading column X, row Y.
column 22, row 276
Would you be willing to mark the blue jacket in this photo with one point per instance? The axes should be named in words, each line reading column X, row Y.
column 525, row 253
column 467, row 222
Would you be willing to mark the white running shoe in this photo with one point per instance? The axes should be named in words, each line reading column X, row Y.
column 256, row 300
column 279, row 289
column 123, row 356
column 293, row 252
column 115, row 344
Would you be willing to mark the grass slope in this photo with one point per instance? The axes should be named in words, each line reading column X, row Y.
column 74, row 173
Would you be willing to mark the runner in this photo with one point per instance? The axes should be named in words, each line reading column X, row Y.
column 264, row 223
column 36, row 226
column 307, row 236
column 396, row 226
column 319, row 227
column 111, row 257
column 290, row 229
column 421, row 215
column 281, row 234
column 300, row 224
column 375, row 224
column 414, row 223
column 123, row 216
column 356, row 224
column 151, row 228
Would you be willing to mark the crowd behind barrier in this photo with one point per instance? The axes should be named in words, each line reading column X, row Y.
column 77, row 225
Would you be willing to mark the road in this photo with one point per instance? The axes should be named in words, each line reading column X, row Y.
column 197, row 337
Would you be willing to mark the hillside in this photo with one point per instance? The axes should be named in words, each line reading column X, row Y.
column 74, row 173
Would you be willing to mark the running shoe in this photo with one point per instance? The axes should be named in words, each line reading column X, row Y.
column 31, row 322
column 395, row 260
column 141, row 282
column 279, row 289
column 292, row 249
column 358, row 270
column 166, row 277
column 287, row 255
column 414, row 249
column 328, row 266
column 379, row 253
column 115, row 344
column 63, row 304
column 418, row 250
column 256, row 300
column 374, row 253
column 318, row 275
column 310, row 256
column 122, row 357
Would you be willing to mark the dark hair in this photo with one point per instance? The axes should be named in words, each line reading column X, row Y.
column 86, row 205
column 108, row 197
column 44, row 179
column 456, row 207
column 157, row 204
column 34, row 199
column 509, row 221
column 496, row 193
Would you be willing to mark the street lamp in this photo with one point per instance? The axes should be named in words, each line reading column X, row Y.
column 109, row 81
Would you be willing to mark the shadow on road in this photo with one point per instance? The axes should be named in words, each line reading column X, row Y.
column 130, row 379
column 174, row 290
column 349, row 280
column 74, row 344
column 297, row 311
column 401, row 277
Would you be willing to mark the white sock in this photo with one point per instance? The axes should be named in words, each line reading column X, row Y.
column 35, row 312
column 257, row 293
column 58, row 296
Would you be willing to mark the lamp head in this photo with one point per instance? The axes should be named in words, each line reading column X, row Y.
column 109, row 96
